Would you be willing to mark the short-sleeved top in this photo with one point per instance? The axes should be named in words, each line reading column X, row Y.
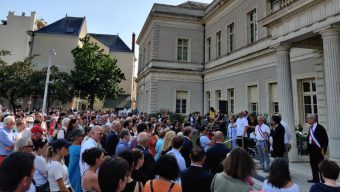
column 40, row 173
column 204, row 142
column 57, row 170
column 262, row 132
column 162, row 186
column 321, row 187
column 241, row 123
column 223, row 183
column 267, row 187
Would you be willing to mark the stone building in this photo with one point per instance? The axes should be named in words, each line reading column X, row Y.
column 13, row 35
column 25, row 36
column 264, row 56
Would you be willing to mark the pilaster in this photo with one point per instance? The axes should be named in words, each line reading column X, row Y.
column 285, row 93
column 331, row 47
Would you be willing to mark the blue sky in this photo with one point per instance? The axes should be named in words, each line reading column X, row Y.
column 121, row 17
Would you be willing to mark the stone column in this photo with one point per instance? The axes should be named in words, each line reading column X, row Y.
column 285, row 93
column 331, row 47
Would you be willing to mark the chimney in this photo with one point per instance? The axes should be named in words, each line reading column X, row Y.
column 23, row 14
column 133, row 41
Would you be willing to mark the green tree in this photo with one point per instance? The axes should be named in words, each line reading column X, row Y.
column 96, row 73
column 14, row 78
column 59, row 87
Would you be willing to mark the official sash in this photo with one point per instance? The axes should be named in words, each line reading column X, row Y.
column 261, row 133
column 314, row 140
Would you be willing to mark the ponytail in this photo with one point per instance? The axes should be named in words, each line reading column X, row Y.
column 49, row 153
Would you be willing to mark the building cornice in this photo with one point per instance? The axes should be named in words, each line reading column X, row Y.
column 170, row 12
column 291, row 10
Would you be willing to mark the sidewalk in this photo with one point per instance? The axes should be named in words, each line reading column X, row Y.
column 300, row 173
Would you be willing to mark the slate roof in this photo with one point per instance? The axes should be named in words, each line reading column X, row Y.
column 193, row 5
column 114, row 42
column 66, row 26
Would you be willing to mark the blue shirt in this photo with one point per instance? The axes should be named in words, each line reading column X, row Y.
column 159, row 147
column 179, row 158
column 121, row 146
column 7, row 139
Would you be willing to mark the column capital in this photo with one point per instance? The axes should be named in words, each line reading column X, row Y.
column 329, row 31
column 282, row 46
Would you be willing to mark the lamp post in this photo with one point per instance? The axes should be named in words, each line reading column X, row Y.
column 52, row 52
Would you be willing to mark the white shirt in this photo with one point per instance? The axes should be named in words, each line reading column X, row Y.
column 241, row 123
column 267, row 187
column 204, row 141
column 288, row 132
column 57, row 170
column 313, row 129
column 265, row 131
column 88, row 144
column 40, row 172
column 232, row 130
column 179, row 158
column 61, row 133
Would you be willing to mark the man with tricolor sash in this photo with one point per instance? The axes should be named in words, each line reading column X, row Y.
column 317, row 143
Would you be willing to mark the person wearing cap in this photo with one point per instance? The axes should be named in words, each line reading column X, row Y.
column 58, row 177
column 36, row 133
column 40, row 165
column 73, row 166
column 29, row 121
column 7, row 138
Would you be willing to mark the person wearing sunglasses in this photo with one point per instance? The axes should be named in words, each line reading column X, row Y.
column 24, row 145
column 95, row 136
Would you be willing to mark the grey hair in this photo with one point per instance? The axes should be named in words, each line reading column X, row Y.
column 9, row 119
column 311, row 116
column 95, row 128
column 114, row 124
column 65, row 122
column 142, row 137
column 260, row 117
column 21, row 143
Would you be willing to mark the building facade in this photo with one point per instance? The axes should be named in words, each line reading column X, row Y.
column 26, row 36
column 13, row 35
column 275, row 56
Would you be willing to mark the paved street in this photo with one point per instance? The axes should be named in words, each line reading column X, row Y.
column 300, row 173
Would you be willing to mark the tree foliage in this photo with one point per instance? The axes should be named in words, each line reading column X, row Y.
column 20, row 79
column 96, row 73
column 14, row 79
column 59, row 87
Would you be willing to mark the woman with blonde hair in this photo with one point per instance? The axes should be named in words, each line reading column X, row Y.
column 168, row 141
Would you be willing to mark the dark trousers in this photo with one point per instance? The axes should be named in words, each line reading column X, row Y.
column 240, row 141
column 315, row 158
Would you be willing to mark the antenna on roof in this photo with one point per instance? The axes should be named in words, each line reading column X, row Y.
column 66, row 14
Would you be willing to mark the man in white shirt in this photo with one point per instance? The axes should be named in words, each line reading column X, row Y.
column 288, row 136
column 205, row 142
column 262, row 132
column 96, row 135
column 177, row 144
column 241, row 123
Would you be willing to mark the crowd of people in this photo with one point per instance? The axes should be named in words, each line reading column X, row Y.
column 93, row 151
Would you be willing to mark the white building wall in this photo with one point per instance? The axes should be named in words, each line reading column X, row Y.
column 125, row 61
column 62, row 45
column 13, row 36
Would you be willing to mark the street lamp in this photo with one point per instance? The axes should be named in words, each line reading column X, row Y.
column 52, row 52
